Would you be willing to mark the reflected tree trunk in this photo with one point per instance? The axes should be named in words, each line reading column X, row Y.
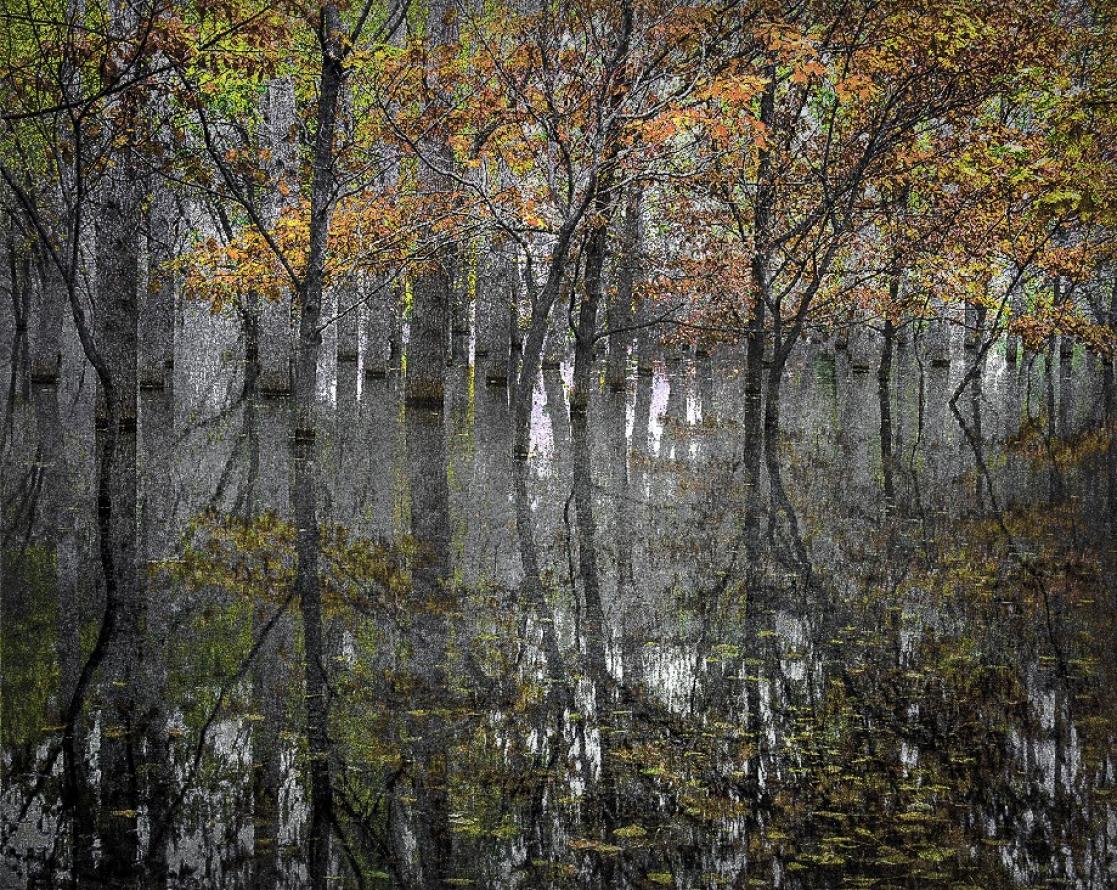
column 559, row 415
column 20, row 287
column 46, row 357
column 58, row 511
column 601, row 795
column 632, row 623
column 1109, row 400
column 268, row 486
column 884, row 380
column 157, row 420
column 421, row 833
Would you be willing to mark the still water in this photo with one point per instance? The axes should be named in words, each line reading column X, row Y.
column 874, row 648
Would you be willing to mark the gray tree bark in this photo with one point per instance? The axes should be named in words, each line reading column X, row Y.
column 305, row 494
column 157, row 313
column 620, row 311
column 115, row 332
column 275, row 316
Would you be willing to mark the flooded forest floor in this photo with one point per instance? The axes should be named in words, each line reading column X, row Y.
column 871, row 648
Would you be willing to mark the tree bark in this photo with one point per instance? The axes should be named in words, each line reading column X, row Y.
column 304, row 444
column 620, row 311
column 115, row 332
column 275, row 316
column 157, row 315
column 496, row 295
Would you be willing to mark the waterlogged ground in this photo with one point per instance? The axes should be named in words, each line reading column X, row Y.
column 876, row 650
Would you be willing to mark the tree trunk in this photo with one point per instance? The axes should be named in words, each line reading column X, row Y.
column 426, row 349
column 157, row 543
column 46, row 353
column 884, row 380
column 275, row 321
column 427, row 642
column 461, row 300
column 20, row 288
column 496, row 295
column 305, row 450
column 581, row 397
column 157, row 316
column 116, row 329
column 380, row 325
column 620, row 311
column 759, row 273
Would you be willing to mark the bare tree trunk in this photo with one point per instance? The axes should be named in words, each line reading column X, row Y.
column 460, row 303
column 559, row 415
column 348, row 331
column 557, row 347
column 647, row 337
column 157, row 315
column 432, row 289
column 46, row 355
column 759, row 272
column 1064, row 296
column 975, row 317
column 275, row 318
column 515, row 326
column 496, row 295
column 620, row 311
column 380, row 324
column 1012, row 341
column 938, row 341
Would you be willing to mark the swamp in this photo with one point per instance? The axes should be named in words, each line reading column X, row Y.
column 514, row 444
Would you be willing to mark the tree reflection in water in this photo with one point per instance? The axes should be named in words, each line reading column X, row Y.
column 870, row 647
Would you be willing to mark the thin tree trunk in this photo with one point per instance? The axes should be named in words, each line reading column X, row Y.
column 157, row 315
column 759, row 273
column 884, row 380
column 581, row 396
column 620, row 310
column 275, row 321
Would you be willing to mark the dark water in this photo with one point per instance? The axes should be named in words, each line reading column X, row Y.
column 874, row 649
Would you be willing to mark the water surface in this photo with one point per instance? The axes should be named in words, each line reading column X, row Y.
column 873, row 648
